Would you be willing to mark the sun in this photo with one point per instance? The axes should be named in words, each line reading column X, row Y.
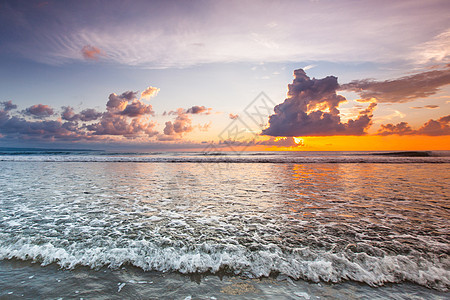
column 298, row 140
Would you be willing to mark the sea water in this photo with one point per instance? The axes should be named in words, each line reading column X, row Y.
column 81, row 224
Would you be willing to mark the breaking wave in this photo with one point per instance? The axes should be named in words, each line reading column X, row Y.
column 238, row 260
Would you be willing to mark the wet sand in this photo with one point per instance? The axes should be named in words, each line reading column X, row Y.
column 25, row 280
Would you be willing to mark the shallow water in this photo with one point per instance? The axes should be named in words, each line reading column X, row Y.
column 373, row 223
column 23, row 280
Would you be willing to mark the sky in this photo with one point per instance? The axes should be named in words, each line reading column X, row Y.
column 225, row 75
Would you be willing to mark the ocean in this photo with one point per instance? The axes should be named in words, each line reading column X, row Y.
column 224, row 225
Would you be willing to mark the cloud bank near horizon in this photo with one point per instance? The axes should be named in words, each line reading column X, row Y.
column 126, row 118
column 312, row 108
column 312, row 105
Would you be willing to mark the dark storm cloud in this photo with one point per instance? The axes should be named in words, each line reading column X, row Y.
column 403, row 89
column 39, row 111
column 437, row 127
column 311, row 109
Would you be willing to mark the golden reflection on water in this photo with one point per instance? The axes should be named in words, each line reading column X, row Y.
column 378, row 193
column 401, row 197
column 356, row 211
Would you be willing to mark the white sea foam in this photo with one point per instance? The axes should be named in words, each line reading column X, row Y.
column 300, row 264
column 268, row 158
column 365, row 222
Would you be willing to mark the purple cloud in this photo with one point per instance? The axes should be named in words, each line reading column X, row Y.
column 8, row 105
column 198, row 110
column 437, row 127
column 182, row 124
column 403, row 89
column 311, row 109
column 86, row 115
column 125, row 116
column 39, row 111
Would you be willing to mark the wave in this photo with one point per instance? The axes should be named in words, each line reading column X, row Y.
column 407, row 154
column 269, row 260
column 226, row 159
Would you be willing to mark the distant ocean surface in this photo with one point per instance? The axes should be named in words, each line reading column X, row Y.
column 303, row 225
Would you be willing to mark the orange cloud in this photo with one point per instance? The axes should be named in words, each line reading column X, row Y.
column 150, row 92
column 437, row 127
column 91, row 52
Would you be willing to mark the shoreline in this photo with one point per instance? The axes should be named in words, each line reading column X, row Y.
column 27, row 280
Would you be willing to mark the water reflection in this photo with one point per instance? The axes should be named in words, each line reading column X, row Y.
column 246, row 217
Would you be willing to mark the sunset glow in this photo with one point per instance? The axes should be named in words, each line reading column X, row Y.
column 172, row 82
column 225, row 149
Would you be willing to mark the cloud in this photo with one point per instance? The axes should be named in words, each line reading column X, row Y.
column 280, row 142
column 426, row 106
column 39, row 111
column 437, row 127
column 150, row 92
column 8, row 105
column 311, row 109
column 435, row 50
column 137, row 108
column 194, row 110
column 91, row 52
column 198, row 110
column 89, row 114
column 125, row 117
column 68, row 114
column 86, row 115
column 117, row 125
column 233, row 117
column 168, row 37
column 401, row 128
column 127, row 104
column 440, row 126
column 404, row 89
column 181, row 125
column 117, row 103
column 272, row 141
column 48, row 130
